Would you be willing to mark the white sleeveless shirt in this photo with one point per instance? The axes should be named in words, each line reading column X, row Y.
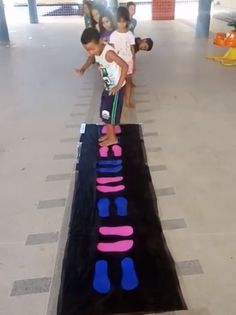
column 110, row 71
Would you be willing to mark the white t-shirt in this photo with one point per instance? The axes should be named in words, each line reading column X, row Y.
column 110, row 71
column 122, row 43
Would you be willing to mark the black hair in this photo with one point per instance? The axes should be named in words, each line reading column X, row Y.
column 108, row 14
column 129, row 4
column 89, row 5
column 99, row 8
column 149, row 41
column 90, row 35
column 123, row 13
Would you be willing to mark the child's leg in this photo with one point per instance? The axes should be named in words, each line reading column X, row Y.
column 102, row 108
column 132, row 83
column 103, row 138
column 128, row 91
column 111, row 116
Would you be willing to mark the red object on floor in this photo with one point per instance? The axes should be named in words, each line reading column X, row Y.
column 163, row 9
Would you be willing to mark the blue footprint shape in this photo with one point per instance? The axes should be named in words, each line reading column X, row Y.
column 110, row 162
column 103, row 207
column 101, row 282
column 115, row 169
column 121, row 205
column 129, row 279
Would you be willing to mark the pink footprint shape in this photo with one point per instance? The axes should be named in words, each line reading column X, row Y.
column 110, row 189
column 103, row 151
column 117, row 129
column 117, row 151
column 118, row 247
column 107, row 180
column 125, row 230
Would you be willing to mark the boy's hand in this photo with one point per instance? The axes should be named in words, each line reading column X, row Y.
column 80, row 71
column 114, row 90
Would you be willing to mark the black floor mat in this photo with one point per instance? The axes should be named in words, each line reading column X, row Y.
column 156, row 287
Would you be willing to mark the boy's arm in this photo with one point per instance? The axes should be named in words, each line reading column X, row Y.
column 90, row 60
column 112, row 56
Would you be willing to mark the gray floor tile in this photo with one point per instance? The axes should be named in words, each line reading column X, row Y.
column 189, row 267
column 66, row 156
column 157, row 168
column 77, row 114
column 73, row 126
column 31, row 286
column 168, row 191
column 173, row 224
column 58, row 177
column 65, row 140
column 150, row 134
column 43, row 238
column 157, row 149
column 53, row 203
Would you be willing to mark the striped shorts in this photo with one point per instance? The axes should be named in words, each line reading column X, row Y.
column 111, row 107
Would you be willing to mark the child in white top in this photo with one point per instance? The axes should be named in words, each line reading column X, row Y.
column 123, row 41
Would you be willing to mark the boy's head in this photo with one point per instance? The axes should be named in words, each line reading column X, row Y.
column 145, row 44
column 92, row 41
column 131, row 6
column 123, row 18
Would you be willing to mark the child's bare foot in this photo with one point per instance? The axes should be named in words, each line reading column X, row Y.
column 103, row 138
column 108, row 142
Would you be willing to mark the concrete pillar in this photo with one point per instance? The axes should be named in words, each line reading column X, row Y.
column 204, row 18
column 33, row 12
column 4, row 35
column 163, row 9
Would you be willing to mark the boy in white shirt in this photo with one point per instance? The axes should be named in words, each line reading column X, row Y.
column 123, row 41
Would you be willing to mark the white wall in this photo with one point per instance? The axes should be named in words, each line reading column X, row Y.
column 228, row 3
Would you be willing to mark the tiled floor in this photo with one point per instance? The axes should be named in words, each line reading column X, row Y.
column 187, row 106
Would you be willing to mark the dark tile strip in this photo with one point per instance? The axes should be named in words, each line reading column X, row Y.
column 173, row 224
column 148, row 121
column 82, row 104
column 73, row 126
column 168, row 191
column 53, row 203
column 66, row 140
column 157, row 149
column 67, row 156
column 31, row 286
column 77, row 114
column 142, row 101
column 157, row 168
column 43, row 238
column 58, row 177
column 149, row 134
column 143, row 110
column 189, row 267
column 141, row 93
